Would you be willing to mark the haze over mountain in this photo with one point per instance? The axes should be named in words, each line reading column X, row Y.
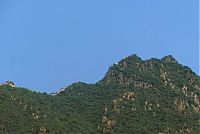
column 155, row 96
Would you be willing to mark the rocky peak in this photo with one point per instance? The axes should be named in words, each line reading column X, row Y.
column 128, row 71
column 169, row 58
column 117, row 71
column 8, row 83
column 139, row 73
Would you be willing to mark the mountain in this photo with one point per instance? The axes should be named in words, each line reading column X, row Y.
column 155, row 96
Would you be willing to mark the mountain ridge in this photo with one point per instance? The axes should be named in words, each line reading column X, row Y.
column 168, row 58
column 135, row 96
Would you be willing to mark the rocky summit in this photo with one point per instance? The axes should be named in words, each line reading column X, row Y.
column 155, row 96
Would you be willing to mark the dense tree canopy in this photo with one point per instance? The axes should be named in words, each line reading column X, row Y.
column 134, row 97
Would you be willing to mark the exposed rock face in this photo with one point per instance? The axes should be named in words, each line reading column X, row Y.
column 180, row 105
column 148, row 106
column 184, row 89
column 196, row 99
column 36, row 115
column 8, row 83
column 166, row 79
column 197, row 87
column 119, row 73
column 123, row 79
column 42, row 130
column 128, row 95
column 185, row 130
column 107, row 123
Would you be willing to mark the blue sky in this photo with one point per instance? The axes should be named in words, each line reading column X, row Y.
column 48, row 44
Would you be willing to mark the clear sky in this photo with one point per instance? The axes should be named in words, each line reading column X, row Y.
column 48, row 44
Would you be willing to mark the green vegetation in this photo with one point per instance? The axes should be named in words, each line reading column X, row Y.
column 135, row 97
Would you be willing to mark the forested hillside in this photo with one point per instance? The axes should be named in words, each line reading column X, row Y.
column 155, row 96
